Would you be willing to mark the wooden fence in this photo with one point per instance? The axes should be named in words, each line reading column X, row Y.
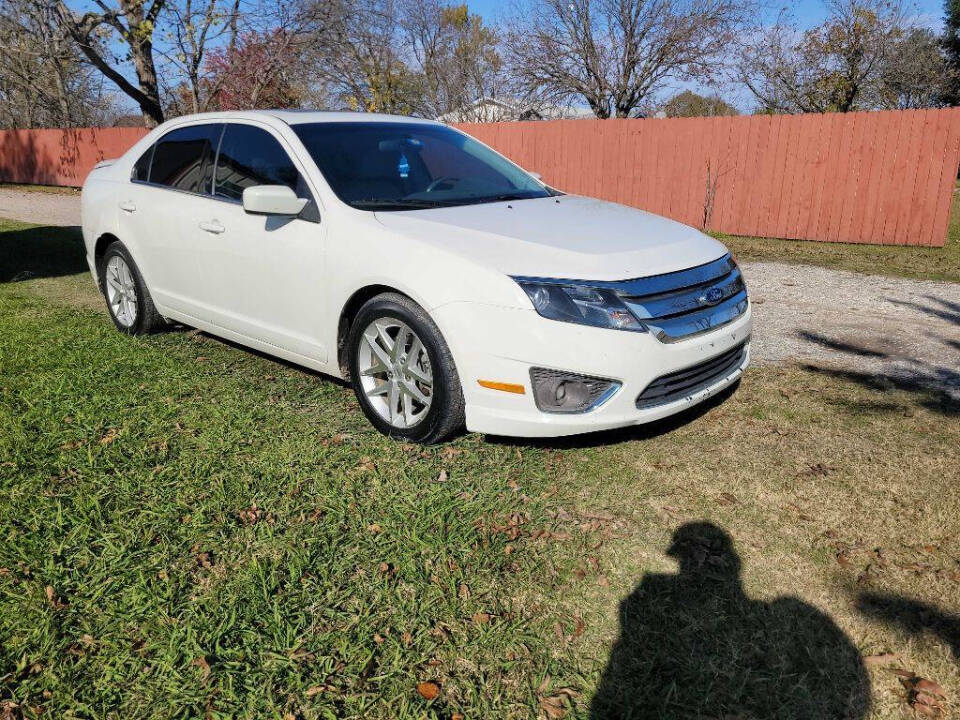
column 878, row 177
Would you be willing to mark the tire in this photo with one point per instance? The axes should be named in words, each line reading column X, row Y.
column 145, row 318
column 406, row 368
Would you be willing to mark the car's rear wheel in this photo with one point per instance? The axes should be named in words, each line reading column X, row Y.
column 128, row 300
column 402, row 371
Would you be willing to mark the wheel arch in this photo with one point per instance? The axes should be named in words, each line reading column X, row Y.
column 349, row 311
column 99, row 250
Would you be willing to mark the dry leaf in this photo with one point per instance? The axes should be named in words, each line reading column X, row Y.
column 428, row 690
column 727, row 498
column 109, row 437
column 481, row 618
column 374, row 528
column 442, row 477
column 201, row 662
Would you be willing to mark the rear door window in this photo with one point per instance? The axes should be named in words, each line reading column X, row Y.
column 251, row 156
column 141, row 169
column 183, row 158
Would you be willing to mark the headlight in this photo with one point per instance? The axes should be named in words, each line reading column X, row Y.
column 581, row 304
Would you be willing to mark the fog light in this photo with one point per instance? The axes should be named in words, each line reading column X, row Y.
column 562, row 392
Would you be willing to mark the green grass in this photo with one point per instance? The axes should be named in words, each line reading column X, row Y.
column 912, row 262
column 191, row 529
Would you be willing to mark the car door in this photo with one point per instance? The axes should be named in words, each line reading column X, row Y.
column 167, row 181
column 260, row 276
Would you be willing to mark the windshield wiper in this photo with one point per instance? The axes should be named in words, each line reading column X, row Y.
column 398, row 204
column 503, row 197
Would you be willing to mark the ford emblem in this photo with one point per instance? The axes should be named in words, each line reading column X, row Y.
column 711, row 297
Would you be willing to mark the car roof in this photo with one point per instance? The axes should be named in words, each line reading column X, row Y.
column 299, row 117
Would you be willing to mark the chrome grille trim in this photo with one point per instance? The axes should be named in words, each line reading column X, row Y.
column 683, row 383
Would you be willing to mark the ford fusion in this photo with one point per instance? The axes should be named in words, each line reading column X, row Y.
column 449, row 286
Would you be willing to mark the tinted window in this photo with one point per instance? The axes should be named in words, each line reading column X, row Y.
column 250, row 156
column 183, row 159
column 141, row 169
column 399, row 166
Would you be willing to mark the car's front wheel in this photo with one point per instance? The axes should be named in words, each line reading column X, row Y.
column 402, row 371
column 128, row 300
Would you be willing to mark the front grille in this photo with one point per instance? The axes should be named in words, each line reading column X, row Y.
column 683, row 383
column 679, row 305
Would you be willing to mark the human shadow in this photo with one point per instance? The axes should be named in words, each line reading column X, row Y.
column 913, row 616
column 694, row 645
column 34, row 252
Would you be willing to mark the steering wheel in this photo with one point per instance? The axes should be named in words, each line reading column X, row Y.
column 446, row 178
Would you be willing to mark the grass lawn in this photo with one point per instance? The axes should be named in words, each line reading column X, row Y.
column 914, row 262
column 190, row 529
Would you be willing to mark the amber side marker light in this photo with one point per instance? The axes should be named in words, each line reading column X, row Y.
column 506, row 387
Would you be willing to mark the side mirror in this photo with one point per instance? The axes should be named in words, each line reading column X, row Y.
column 535, row 175
column 272, row 200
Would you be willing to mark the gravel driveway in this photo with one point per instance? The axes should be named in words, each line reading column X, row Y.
column 43, row 208
column 880, row 331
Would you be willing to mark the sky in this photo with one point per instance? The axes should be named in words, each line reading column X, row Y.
column 808, row 12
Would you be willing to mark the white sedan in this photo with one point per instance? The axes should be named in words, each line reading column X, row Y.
column 452, row 288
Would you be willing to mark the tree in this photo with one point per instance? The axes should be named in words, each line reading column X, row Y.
column 359, row 55
column 191, row 27
column 834, row 67
column 616, row 54
column 43, row 81
column 690, row 104
column 257, row 71
column 456, row 56
column 951, row 48
column 915, row 74
column 132, row 24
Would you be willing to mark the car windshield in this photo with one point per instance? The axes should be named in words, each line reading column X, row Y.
column 411, row 166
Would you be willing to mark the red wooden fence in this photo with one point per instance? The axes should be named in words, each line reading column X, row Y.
column 879, row 177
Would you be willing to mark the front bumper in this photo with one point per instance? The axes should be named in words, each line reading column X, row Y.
column 503, row 344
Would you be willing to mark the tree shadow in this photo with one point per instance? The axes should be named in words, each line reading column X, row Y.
column 695, row 645
column 36, row 252
column 840, row 345
column 947, row 310
column 926, row 383
column 24, row 160
column 647, row 431
column 913, row 616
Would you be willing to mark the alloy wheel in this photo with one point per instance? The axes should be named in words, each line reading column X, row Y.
column 121, row 291
column 395, row 372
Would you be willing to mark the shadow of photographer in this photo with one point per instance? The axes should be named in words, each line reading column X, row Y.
column 694, row 645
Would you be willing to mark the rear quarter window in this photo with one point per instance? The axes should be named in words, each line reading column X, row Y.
column 183, row 158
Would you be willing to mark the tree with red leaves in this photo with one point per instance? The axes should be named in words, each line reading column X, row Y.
column 259, row 71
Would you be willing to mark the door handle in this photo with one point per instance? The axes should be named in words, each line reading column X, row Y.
column 212, row 226
column 127, row 206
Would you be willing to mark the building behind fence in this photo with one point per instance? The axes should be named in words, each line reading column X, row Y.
column 872, row 177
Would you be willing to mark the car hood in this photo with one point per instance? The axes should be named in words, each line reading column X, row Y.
column 559, row 237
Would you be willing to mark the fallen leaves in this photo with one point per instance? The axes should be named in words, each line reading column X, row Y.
column 727, row 499
column 201, row 662
column 924, row 697
column 56, row 602
column 428, row 690
column 252, row 515
column 554, row 703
